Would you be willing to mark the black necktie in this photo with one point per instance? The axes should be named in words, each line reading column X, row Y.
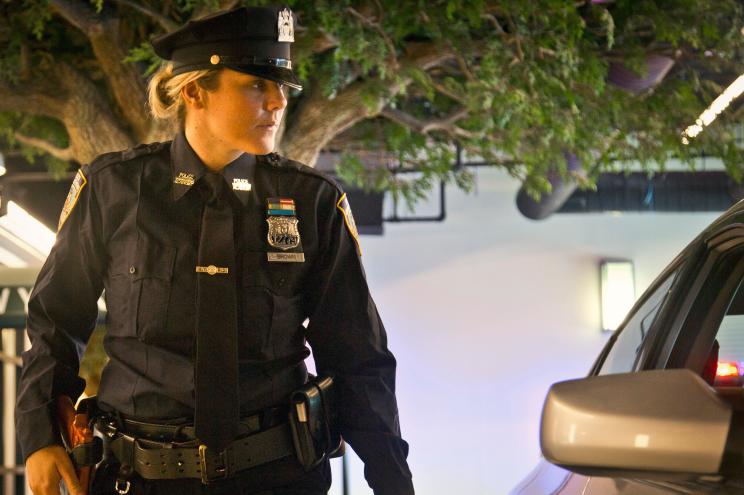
column 217, row 405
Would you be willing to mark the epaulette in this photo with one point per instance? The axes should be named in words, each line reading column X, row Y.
column 284, row 163
column 107, row 159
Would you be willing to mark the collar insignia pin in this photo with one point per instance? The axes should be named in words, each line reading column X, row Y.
column 241, row 185
column 184, row 179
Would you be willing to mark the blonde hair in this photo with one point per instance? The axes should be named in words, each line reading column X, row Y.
column 164, row 90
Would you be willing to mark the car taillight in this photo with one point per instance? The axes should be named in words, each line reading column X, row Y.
column 726, row 369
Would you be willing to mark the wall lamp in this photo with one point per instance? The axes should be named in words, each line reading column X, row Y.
column 617, row 292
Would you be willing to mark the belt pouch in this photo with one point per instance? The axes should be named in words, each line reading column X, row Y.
column 311, row 422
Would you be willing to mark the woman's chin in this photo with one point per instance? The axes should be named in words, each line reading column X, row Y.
column 263, row 146
column 258, row 149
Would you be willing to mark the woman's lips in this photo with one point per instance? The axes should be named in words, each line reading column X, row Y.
column 269, row 127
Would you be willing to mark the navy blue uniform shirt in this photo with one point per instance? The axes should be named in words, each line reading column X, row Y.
column 131, row 227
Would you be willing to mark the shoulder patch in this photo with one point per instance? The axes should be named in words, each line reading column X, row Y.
column 78, row 183
column 345, row 209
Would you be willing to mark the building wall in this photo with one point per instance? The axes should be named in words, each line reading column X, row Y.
column 484, row 312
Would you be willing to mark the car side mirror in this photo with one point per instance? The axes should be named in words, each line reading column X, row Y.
column 652, row 422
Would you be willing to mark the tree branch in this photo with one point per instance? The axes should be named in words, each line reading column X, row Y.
column 464, row 67
column 65, row 154
column 496, row 24
column 375, row 25
column 446, row 124
column 317, row 120
column 446, row 92
column 228, row 4
column 70, row 97
column 323, row 41
column 37, row 98
column 207, row 9
column 167, row 24
column 308, row 43
column 426, row 55
column 515, row 37
column 77, row 13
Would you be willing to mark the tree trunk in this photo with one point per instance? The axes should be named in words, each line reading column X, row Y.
column 126, row 82
column 92, row 127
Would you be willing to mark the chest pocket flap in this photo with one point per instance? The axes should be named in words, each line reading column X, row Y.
column 152, row 273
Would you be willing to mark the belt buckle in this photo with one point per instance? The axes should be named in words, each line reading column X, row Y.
column 222, row 472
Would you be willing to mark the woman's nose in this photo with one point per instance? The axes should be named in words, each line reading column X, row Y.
column 276, row 98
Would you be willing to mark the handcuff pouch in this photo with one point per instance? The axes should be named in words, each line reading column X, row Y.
column 312, row 421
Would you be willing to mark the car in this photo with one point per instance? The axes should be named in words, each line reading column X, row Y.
column 662, row 409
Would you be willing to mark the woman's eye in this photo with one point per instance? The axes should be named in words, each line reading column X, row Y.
column 262, row 85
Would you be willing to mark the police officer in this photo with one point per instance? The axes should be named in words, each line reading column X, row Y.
column 219, row 260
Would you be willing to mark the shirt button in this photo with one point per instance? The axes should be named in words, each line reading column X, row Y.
column 132, row 269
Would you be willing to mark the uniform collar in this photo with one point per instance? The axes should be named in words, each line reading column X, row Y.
column 188, row 169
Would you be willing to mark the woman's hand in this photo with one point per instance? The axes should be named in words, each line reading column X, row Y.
column 46, row 466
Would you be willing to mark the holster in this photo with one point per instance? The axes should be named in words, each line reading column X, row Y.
column 83, row 447
column 313, row 423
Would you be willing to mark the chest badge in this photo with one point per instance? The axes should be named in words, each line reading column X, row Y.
column 283, row 231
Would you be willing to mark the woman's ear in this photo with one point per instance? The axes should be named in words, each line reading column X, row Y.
column 193, row 95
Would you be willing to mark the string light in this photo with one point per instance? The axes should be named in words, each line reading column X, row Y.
column 719, row 105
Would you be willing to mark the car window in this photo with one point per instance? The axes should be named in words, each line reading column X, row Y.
column 622, row 355
column 725, row 364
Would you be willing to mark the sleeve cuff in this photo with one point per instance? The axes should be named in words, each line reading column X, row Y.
column 385, row 465
column 36, row 429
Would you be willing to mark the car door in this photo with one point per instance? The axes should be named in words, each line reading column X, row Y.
column 704, row 322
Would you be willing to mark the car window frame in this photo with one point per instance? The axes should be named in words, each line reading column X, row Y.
column 659, row 343
column 691, row 346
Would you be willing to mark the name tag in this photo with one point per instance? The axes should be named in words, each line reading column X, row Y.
column 286, row 257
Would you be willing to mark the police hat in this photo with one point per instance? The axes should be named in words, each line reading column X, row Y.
column 254, row 40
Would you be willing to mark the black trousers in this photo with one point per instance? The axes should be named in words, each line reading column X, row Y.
column 279, row 478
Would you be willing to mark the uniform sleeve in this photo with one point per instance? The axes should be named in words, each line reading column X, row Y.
column 62, row 312
column 349, row 343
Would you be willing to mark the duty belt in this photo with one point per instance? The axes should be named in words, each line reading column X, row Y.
column 153, row 459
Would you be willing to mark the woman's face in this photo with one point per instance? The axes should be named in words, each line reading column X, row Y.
column 245, row 111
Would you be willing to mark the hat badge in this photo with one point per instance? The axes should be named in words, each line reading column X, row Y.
column 286, row 26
